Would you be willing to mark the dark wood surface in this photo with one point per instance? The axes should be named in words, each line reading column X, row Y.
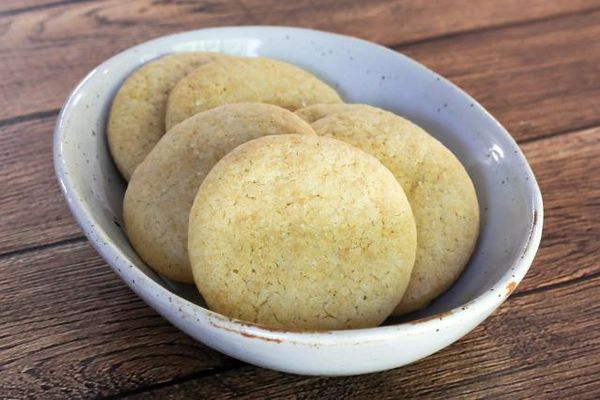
column 70, row 328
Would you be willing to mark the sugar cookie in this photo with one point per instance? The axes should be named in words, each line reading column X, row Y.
column 301, row 232
column 160, row 193
column 440, row 192
column 240, row 79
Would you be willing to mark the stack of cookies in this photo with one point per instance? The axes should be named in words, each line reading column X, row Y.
column 285, row 206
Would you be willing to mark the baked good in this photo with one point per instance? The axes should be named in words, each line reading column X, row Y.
column 160, row 193
column 239, row 79
column 137, row 116
column 438, row 187
column 301, row 232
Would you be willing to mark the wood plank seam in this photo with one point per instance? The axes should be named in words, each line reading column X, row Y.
column 23, row 10
column 490, row 28
column 42, row 247
column 544, row 288
column 556, row 134
column 29, row 117
column 201, row 374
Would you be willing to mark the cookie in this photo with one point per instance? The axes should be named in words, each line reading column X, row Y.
column 440, row 192
column 162, row 189
column 137, row 116
column 303, row 233
column 245, row 79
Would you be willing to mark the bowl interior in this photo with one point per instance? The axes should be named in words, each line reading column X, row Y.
column 362, row 72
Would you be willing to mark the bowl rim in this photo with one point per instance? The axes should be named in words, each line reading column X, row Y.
column 482, row 305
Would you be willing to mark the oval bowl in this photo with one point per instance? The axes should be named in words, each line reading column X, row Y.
column 510, row 200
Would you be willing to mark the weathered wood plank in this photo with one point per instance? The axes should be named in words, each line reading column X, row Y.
column 70, row 328
column 395, row 22
column 113, row 25
column 536, row 346
column 33, row 211
column 537, row 79
column 571, row 192
column 68, row 41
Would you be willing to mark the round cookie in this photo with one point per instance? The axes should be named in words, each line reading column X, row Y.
column 161, row 191
column 441, row 194
column 303, row 233
column 245, row 79
column 137, row 116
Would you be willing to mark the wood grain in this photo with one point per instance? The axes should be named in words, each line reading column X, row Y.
column 13, row 7
column 50, row 296
column 61, row 40
column 114, row 25
column 34, row 212
column 70, row 328
column 570, row 246
column 396, row 22
column 537, row 79
column 536, row 346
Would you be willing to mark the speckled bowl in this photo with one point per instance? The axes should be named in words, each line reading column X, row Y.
column 511, row 204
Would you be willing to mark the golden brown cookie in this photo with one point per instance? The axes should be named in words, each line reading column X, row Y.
column 246, row 79
column 137, row 116
column 160, row 193
column 440, row 192
column 301, row 232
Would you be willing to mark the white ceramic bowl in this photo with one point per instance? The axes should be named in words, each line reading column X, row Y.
column 510, row 200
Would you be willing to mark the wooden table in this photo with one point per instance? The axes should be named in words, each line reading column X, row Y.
column 70, row 328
